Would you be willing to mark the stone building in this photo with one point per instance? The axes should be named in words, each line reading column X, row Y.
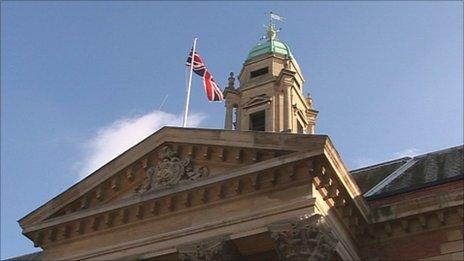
column 265, row 188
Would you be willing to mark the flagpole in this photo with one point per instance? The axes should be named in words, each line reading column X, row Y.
column 184, row 121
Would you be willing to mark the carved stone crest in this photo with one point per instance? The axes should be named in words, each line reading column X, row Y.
column 170, row 171
column 308, row 238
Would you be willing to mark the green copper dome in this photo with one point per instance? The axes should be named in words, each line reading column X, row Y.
column 270, row 47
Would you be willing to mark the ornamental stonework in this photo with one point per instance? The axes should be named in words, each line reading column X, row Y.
column 307, row 239
column 170, row 171
column 218, row 249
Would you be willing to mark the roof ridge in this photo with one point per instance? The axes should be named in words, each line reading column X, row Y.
column 381, row 164
column 442, row 151
column 395, row 174
column 30, row 256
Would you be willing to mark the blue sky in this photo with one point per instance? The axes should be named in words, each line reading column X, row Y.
column 81, row 81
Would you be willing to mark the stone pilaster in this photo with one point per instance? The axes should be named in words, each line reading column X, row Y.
column 229, row 116
column 287, row 109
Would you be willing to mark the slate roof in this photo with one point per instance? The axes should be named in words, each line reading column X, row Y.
column 407, row 174
column 36, row 256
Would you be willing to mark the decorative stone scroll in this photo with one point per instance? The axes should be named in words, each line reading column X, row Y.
column 216, row 249
column 308, row 238
column 170, row 171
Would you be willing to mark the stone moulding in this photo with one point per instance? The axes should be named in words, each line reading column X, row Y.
column 301, row 205
column 280, row 163
column 215, row 249
column 161, row 197
column 168, row 135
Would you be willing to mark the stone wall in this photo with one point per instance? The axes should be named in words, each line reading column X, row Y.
column 444, row 244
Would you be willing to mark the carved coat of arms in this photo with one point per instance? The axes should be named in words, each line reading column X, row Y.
column 170, row 171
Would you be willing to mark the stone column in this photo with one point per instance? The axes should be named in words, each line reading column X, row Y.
column 229, row 116
column 307, row 238
column 276, row 108
column 215, row 249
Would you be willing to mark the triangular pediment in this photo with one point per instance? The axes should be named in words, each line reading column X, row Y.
column 169, row 166
column 258, row 100
column 178, row 170
column 202, row 153
column 302, row 116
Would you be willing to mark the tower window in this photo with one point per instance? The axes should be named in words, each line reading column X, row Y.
column 258, row 121
column 259, row 72
column 234, row 117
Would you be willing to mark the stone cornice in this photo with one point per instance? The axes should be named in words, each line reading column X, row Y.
column 345, row 178
column 227, row 176
column 428, row 203
column 308, row 158
column 245, row 139
column 442, row 218
column 303, row 204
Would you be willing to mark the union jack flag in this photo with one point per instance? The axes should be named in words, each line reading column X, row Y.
column 213, row 92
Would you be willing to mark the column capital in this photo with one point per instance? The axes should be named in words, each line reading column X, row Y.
column 212, row 249
column 307, row 238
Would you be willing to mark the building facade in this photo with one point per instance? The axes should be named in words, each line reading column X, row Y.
column 264, row 188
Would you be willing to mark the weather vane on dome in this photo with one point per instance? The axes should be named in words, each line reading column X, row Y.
column 271, row 30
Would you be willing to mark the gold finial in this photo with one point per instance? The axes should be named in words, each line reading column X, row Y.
column 272, row 31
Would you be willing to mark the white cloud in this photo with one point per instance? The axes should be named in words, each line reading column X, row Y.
column 114, row 139
column 410, row 152
column 361, row 162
